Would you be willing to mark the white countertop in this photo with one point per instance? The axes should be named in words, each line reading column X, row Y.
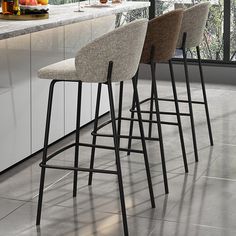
column 60, row 15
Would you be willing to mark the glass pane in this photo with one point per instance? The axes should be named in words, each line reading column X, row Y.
column 212, row 45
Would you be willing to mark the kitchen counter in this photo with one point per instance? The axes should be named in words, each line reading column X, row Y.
column 27, row 46
column 61, row 15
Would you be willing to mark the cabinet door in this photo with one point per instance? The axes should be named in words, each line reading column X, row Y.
column 47, row 47
column 76, row 36
column 100, row 26
column 14, row 100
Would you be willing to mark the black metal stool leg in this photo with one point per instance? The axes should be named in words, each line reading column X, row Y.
column 116, row 144
column 132, row 122
column 204, row 96
column 181, row 136
column 150, row 115
column 120, row 110
column 44, row 158
column 153, row 69
column 95, row 136
column 77, row 134
column 143, row 143
column 190, row 104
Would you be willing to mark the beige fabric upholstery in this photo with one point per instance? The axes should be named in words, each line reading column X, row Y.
column 162, row 33
column 193, row 23
column 123, row 46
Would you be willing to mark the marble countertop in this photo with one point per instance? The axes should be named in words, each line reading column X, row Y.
column 60, row 15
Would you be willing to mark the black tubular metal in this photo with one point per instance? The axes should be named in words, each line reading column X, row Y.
column 205, row 96
column 45, row 148
column 189, row 97
column 136, row 97
column 116, row 145
column 125, row 136
column 179, row 100
column 94, row 128
column 77, row 137
column 181, row 136
column 163, row 112
column 153, row 70
column 110, row 148
column 143, row 101
column 132, row 117
column 120, row 111
column 79, row 169
column 150, row 115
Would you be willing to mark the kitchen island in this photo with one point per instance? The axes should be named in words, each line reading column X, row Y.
column 25, row 47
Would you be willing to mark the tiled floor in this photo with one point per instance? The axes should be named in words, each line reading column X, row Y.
column 201, row 203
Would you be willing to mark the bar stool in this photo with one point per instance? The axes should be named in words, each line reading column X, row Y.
column 113, row 57
column 159, row 46
column 191, row 34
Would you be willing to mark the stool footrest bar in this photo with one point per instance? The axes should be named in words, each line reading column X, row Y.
column 123, row 136
column 161, row 112
column 180, row 100
column 79, row 169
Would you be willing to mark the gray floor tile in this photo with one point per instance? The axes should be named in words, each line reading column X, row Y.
column 8, row 205
column 200, row 203
column 210, row 202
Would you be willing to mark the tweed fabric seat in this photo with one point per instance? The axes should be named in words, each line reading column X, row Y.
column 113, row 57
column 193, row 24
column 122, row 46
column 162, row 33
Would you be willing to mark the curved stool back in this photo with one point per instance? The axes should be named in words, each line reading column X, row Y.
column 123, row 46
column 162, row 33
column 193, row 23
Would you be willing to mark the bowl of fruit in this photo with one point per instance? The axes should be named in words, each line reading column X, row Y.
column 30, row 7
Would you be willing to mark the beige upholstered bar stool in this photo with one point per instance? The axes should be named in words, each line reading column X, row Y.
column 159, row 46
column 113, row 57
column 191, row 34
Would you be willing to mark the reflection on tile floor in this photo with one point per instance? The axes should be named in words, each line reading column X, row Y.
column 201, row 203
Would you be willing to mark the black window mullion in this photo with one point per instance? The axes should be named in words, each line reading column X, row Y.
column 152, row 9
column 226, row 37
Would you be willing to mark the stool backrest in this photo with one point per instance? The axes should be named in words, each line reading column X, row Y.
column 194, row 22
column 123, row 46
column 162, row 34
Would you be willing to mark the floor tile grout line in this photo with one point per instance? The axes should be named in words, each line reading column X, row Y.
column 13, row 211
column 219, row 178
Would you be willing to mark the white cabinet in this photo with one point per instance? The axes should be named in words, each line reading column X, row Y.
column 14, row 100
column 24, row 97
column 47, row 47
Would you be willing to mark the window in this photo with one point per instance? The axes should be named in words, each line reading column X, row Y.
column 219, row 42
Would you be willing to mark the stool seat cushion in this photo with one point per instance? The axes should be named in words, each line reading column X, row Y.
column 63, row 70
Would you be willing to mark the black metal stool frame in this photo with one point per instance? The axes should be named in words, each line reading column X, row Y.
column 176, row 100
column 150, row 111
column 189, row 100
column 132, row 119
column 116, row 148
